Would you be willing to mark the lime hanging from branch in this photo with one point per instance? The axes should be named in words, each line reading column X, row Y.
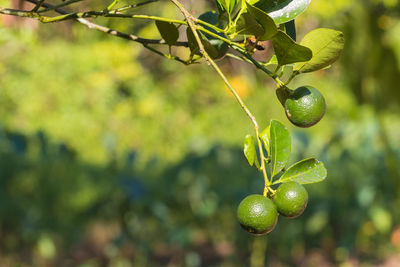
column 257, row 214
column 291, row 199
column 305, row 106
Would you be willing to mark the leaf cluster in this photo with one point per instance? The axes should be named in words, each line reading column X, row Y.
column 263, row 21
column 276, row 142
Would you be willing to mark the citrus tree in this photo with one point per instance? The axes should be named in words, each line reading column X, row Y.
column 237, row 29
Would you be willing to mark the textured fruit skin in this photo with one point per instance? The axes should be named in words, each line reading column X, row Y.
column 305, row 106
column 257, row 214
column 291, row 199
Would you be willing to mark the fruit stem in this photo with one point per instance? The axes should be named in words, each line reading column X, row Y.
column 265, row 194
column 279, row 83
column 272, row 190
column 269, row 189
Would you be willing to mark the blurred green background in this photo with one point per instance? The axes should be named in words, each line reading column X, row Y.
column 113, row 156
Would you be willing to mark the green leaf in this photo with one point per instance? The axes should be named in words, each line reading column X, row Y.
column 267, row 5
column 210, row 49
column 265, row 21
column 282, row 11
column 280, row 145
column 287, row 72
column 252, row 2
column 222, row 4
column 290, row 29
column 326, row 46
column 232, row 5
column 169, row 32
column 226, row 5
column 249, row 149
column 287, row 51
column 273, row 60
column 247, row 25
column 211, row 17
column 307, row 171
column 265, row 138
column 283, row 93
column 194, row 46
column 220, row 7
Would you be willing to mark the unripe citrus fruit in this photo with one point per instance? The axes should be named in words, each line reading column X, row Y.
column 305, row 106
column 291, row 199
column 257, row 214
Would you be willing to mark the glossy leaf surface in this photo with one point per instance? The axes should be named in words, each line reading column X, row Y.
column 249, row 149
column 280, row 146
column 169, row 32
column 307, row 171
column 287, row 51
column 326, row 46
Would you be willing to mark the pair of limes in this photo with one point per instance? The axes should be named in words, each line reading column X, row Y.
column 258, row 214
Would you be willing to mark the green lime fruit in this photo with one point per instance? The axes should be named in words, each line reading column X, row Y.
column 257, row 214
column 305, row 106
column 291, row 199
column 220, row 46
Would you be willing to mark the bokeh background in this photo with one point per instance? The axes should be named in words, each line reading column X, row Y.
column 113, row 156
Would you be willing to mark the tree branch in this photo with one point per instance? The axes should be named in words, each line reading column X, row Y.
column 91, row 25
column 133, row 6
column 87, row 14
column 145, row 42
column 204, row 53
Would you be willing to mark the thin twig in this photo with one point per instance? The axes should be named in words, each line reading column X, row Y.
column 87, row 14
column 132, row 6
column 241, row 58
column 261, row 67
column 165, row 55
column 89, row 24
column 192, row 26
column 145, row 42
column 110, row 6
